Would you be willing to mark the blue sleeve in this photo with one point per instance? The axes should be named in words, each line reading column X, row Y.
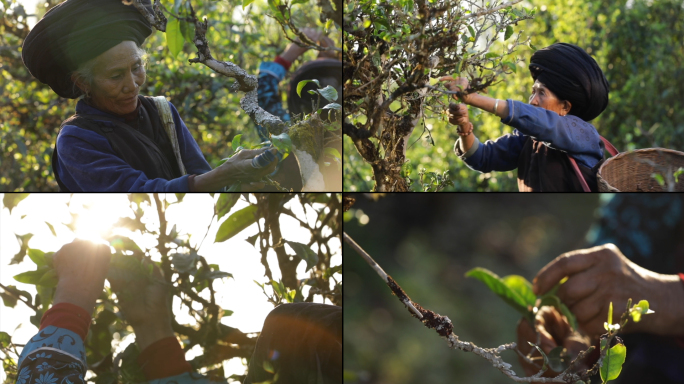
column 194, row 161
column 57, row 356
column 499, row 155
column 268, row 93
column 53, row 356
column 87, row 163
column 566, row 133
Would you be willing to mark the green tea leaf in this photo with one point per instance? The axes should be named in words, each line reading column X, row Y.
column 236, row 222
column 546, row 359
column 236, row 141
column 245, row 3
column 569, row 315
column 471, row 30
column 283, row 143
column 522, row 287
column 305, row 253
column 496, row 285
column 508, row 33
column 188, row 31
column 332, row 152
column 49, row 279
column 225, row 203
column 303, row 83
column 31, row 277
column 5, row 340
column 612, row 363
column 174, row 37
column 10, row 200
column 37, row 256
column 610, row 313
column 52, row 229
column 557, row 360
column 329, row 93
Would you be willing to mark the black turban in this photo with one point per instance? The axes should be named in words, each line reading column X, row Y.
column 572, row 75
column 76, row 31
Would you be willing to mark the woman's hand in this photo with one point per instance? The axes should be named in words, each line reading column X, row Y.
column 293, row 51
column 81, row 267
column 237, row 168
column 145, row 304
column 458, row 84
column 554, row 330
column 458, row 114
column 600, row 275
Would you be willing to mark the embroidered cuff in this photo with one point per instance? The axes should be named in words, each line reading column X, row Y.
column 68, row 316
column 163, row 358
column 470, row 152
column 286, row 64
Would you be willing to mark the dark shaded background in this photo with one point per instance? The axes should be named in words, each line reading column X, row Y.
column 427, row 243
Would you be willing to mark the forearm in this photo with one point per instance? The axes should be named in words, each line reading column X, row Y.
column 74, row 296
column 487, row 104
column 466, row 142
column 666, row 299
column 147, row 334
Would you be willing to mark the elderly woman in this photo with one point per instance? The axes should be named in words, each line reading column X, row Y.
column 119, row 140
column 552, row 134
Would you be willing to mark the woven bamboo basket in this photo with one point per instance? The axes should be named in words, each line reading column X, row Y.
column 632, row 171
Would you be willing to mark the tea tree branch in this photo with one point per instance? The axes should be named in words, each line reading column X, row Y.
column 443, row 326
column 395, row 288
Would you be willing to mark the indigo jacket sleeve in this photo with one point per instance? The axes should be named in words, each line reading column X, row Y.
column 53, row 356
column 494, row 155
column 566, row 133
column 87, row 163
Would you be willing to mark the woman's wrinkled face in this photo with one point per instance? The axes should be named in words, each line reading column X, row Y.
column 542, row 97
column 118, row 75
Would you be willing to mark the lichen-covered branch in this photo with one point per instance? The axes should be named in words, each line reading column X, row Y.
column 244, row 81
column 443, row 326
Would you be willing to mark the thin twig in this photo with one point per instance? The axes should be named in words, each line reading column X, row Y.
column 492, row 10
column 405, row 299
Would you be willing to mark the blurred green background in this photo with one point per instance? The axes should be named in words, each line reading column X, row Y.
column 639, row 45
column 427, row 244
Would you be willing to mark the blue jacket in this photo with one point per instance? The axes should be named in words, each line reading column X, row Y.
column 86, row 161
column 566, row 133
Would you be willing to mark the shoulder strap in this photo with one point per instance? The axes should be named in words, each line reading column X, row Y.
column 167, row 119
column 585, row 187
column 609, row 147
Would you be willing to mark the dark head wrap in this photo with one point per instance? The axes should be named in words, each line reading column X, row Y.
column 76, row 31
column 572, row 75
column 320, row 69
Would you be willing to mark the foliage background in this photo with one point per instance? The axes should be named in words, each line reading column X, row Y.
column 639, row 44
column 31, row 113
column 427, row 244
column 192, row 269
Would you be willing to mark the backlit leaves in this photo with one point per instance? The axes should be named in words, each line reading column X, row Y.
column 174, row 36
column 612, row 363
column 236, row 222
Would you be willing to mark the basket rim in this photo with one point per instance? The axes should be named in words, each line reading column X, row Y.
column 642, row 150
